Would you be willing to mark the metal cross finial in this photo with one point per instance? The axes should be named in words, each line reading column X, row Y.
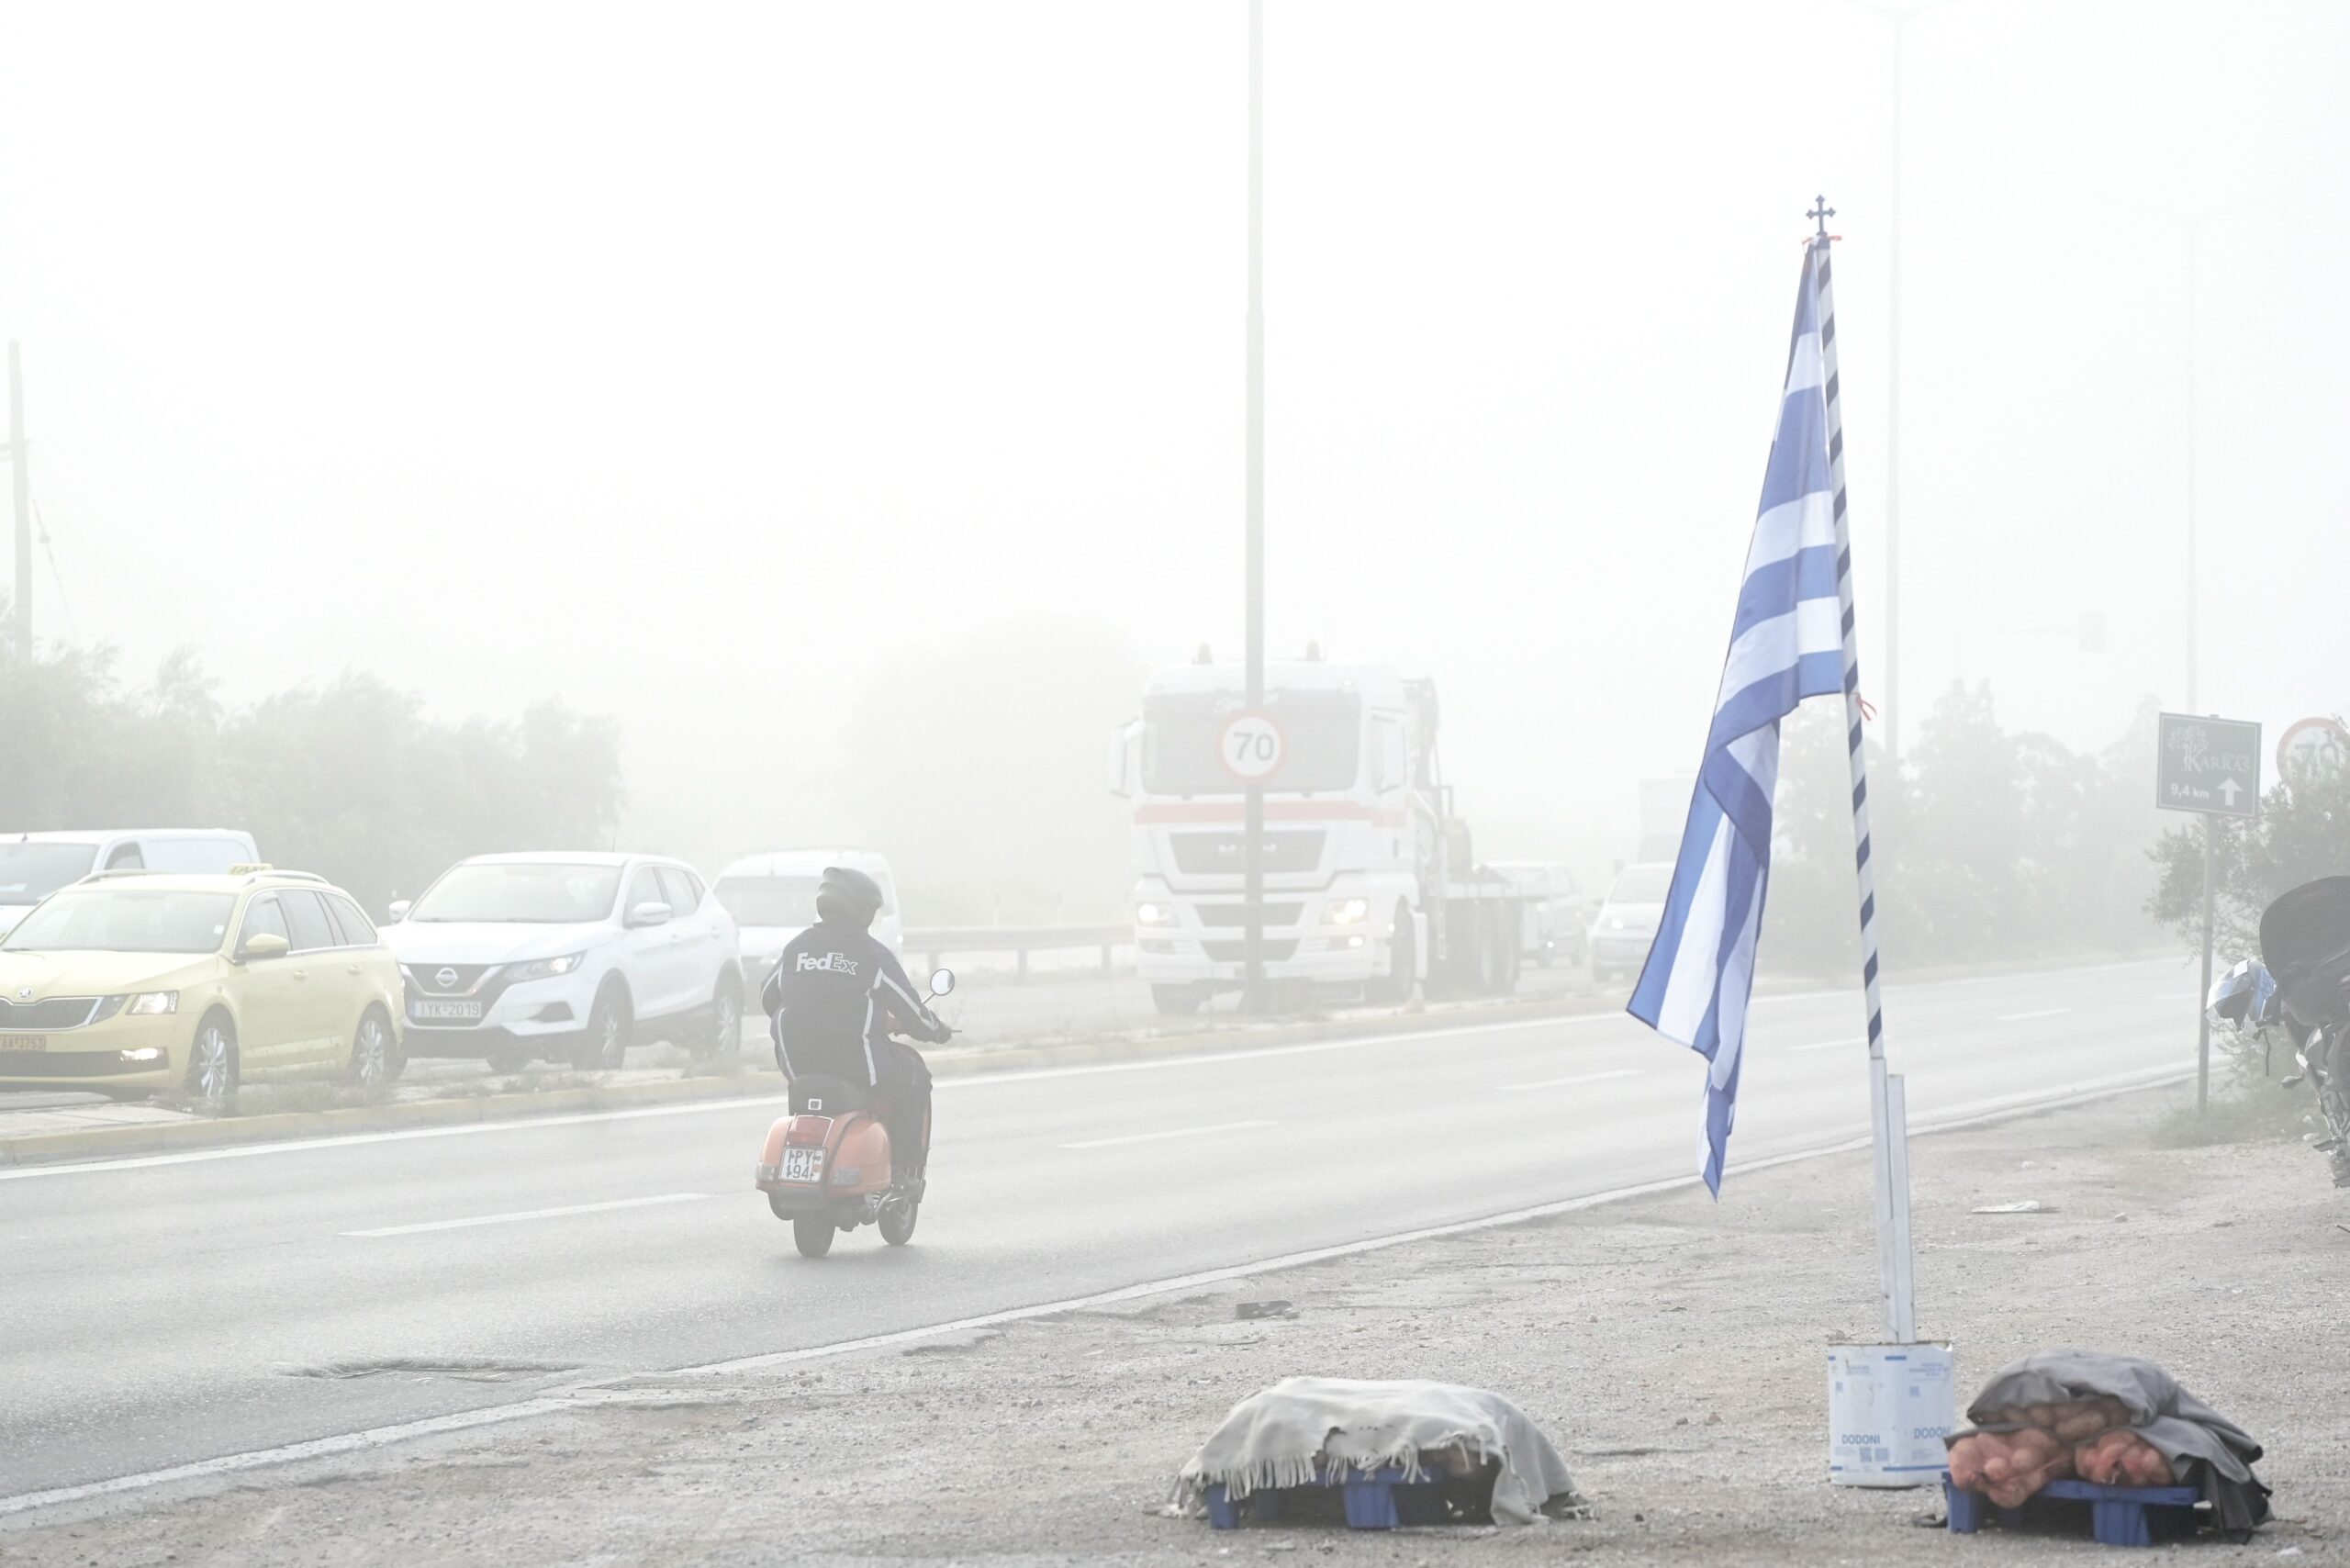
column 1822, row 212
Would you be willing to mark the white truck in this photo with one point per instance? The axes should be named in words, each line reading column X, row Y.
column 1369, row 884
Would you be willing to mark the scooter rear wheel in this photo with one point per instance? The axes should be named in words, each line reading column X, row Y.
column 896, row 1224
column 813, row 1234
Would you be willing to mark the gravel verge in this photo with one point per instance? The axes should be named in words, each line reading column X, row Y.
column 1675, row 1349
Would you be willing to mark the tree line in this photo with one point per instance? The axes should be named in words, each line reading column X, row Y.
column 1990, row 844
column 350, row 779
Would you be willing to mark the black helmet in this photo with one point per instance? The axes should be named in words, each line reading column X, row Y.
column 847, row 897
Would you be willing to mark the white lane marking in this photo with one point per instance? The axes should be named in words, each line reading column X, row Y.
column 975, row 1080
column 2026, row 1017
column 1578, row 1078
column 1175, row 1132
column 529, row 1213
column 569, row 1396
column 1830, row 1044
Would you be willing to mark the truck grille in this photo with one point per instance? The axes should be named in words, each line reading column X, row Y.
column 1237, row 913
column 1204, row 854
column 1238, row 952
column 50, row 1013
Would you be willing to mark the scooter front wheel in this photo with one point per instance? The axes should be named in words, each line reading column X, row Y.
column 813, row 1234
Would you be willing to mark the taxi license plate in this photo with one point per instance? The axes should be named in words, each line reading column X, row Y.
column 24, row 1042
column 455, row 1011
column 801, row 1165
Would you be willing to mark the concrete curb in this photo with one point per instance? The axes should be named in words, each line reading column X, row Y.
column 92, row 1143
column 89, row 1143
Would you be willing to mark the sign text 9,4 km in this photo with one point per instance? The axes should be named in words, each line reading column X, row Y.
column 2208, row 765
column 1250, row 747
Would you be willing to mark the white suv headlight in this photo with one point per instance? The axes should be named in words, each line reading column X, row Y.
column 545, row 969
column 1348, row 911
column 153, row 1003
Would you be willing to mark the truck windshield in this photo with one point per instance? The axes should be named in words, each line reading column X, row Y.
column 30, row 872
column 1321, row 742
column 521, row 892
column 770, row 900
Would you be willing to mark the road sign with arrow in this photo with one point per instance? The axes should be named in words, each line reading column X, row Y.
column 2208, row 765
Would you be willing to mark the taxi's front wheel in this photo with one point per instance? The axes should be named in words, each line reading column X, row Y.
column 212, row 1064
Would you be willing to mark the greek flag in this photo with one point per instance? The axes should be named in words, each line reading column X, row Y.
column 1787, row 643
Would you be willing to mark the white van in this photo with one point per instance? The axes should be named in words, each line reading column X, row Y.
column 35, row 865
column 772, row 897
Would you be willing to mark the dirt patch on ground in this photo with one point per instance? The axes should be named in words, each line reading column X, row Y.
column 1675, row 1349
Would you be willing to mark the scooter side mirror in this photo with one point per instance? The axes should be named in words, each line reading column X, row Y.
column 941, row 981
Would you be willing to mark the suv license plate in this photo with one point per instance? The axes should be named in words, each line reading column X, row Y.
column 802, row 1165
column 455, row 1011
column 24, row 1042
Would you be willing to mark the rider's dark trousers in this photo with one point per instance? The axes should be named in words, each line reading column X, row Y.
column 902, row 1100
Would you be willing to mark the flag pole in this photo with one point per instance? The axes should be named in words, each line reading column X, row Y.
column 1888, row 1108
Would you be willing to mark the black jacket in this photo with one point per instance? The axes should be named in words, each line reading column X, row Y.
column 834, row 995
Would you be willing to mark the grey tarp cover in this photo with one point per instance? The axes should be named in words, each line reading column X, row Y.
column 2204, row 1447
column 1280, row 1436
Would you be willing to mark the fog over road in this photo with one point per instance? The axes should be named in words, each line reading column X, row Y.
column 177, row 1308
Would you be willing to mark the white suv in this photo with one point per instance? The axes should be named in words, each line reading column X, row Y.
column 514, row 957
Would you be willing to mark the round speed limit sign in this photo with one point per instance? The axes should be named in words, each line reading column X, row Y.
column 1250, row 747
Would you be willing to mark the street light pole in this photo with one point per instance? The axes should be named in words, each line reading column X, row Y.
column 1900, row 17
column 2194, row 597
column 1892, row 432
column 21, row 482
column 1253, row 848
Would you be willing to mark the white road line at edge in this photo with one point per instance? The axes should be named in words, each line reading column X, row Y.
column 529, row 1213
column 2026, row 1017
column 569, row 1397
column 1578, row 1078
column 975, row 1080
column 1829, row 1045
column 1172, row 1132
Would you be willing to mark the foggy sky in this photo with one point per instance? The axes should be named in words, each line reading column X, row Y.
column 672, row 358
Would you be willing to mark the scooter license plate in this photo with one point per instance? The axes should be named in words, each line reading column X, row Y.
column 801, row 1165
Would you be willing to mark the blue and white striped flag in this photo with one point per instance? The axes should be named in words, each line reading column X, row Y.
column 1787, row 644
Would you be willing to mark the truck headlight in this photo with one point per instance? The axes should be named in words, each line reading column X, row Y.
column 544, row 969
column 1154, row 914
column 153, row 1003
column 1348, row 912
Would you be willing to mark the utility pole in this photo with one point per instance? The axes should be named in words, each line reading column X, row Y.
column 21, row 481
column 1253, row 850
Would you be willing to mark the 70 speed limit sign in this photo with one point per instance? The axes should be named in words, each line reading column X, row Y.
column 1250, row 747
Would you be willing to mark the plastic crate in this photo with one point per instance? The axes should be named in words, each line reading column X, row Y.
column 2117, row 1516
column 1374, row 1499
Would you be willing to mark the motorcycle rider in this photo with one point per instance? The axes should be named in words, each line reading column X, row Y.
column 835, row 998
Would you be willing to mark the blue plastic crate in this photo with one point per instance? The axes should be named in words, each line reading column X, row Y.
column 1374, row 1499
column 2118, row 1515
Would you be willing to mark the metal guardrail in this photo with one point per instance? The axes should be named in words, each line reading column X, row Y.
column 936, row 941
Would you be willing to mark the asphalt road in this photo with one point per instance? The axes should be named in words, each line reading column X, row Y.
column 176, row 1308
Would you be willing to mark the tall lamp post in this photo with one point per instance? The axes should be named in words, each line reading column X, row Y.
column 1253, row 848
column 1900, row 17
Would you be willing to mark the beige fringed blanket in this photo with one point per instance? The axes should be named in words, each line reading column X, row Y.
column 1293, row 1431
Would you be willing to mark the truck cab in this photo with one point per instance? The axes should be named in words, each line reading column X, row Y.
column 1359, row 844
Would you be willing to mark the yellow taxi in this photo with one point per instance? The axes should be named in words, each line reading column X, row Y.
column 135, row 982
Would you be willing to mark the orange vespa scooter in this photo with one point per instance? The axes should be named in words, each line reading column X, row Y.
column 826, row 1165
